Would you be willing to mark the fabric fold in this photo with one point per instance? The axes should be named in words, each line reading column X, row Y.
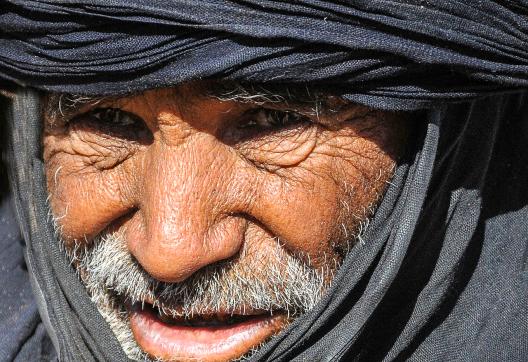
column 367, row 51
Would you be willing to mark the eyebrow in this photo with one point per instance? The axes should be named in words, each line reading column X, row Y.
column 60, row 107
column 293, row 95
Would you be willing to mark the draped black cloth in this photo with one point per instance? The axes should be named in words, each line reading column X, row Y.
column 442, row 274
column 393, row 54
column 24, row 337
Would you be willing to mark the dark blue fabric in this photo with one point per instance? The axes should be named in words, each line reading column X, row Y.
column 23, row 336
column 392, row 54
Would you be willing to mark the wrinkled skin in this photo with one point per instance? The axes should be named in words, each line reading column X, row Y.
column 197, row 180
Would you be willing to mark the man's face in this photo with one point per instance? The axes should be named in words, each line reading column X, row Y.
column 202, row 224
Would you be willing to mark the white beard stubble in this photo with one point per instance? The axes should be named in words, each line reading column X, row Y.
column 112, row 277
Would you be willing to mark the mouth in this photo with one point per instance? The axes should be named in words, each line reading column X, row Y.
column 206, row 337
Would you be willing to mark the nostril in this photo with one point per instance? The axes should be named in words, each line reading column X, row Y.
column 225, row 238
column 119, row 222
column 175, row 256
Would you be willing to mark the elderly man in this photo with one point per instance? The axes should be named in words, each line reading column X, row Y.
column 266, row 180
column 194, row 209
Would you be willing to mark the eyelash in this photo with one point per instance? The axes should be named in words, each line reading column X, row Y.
column 271, row 118
column 116, row 123
column 263, row 118
column 115, row 116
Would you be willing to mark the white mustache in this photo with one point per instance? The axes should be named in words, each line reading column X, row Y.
column 282, row 282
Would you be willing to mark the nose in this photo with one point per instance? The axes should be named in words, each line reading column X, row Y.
column 189, row 208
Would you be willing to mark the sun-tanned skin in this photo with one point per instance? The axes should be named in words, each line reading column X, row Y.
column 199, row 179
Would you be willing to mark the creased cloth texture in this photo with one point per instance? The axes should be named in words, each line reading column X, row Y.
column 24, row 337
column 442, row 273
column 391, row 54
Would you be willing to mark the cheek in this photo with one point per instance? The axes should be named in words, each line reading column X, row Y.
column 84, row 199
column 319, row 205
column 299, row 209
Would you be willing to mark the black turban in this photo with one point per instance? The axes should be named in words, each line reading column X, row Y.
column 442, row 274
column 395, row 54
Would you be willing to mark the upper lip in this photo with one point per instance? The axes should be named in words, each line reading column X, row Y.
column 177, row 312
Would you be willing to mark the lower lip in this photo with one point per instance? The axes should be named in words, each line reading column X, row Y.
column 204, row 343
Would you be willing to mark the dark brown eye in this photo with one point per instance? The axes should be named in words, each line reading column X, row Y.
column 115, row 116
column 271, row 118
column 264, row 122
column 114, row 122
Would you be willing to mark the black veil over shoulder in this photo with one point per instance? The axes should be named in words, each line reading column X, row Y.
column 442, row 274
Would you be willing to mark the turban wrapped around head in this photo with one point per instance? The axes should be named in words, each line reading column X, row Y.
column 393, row 54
